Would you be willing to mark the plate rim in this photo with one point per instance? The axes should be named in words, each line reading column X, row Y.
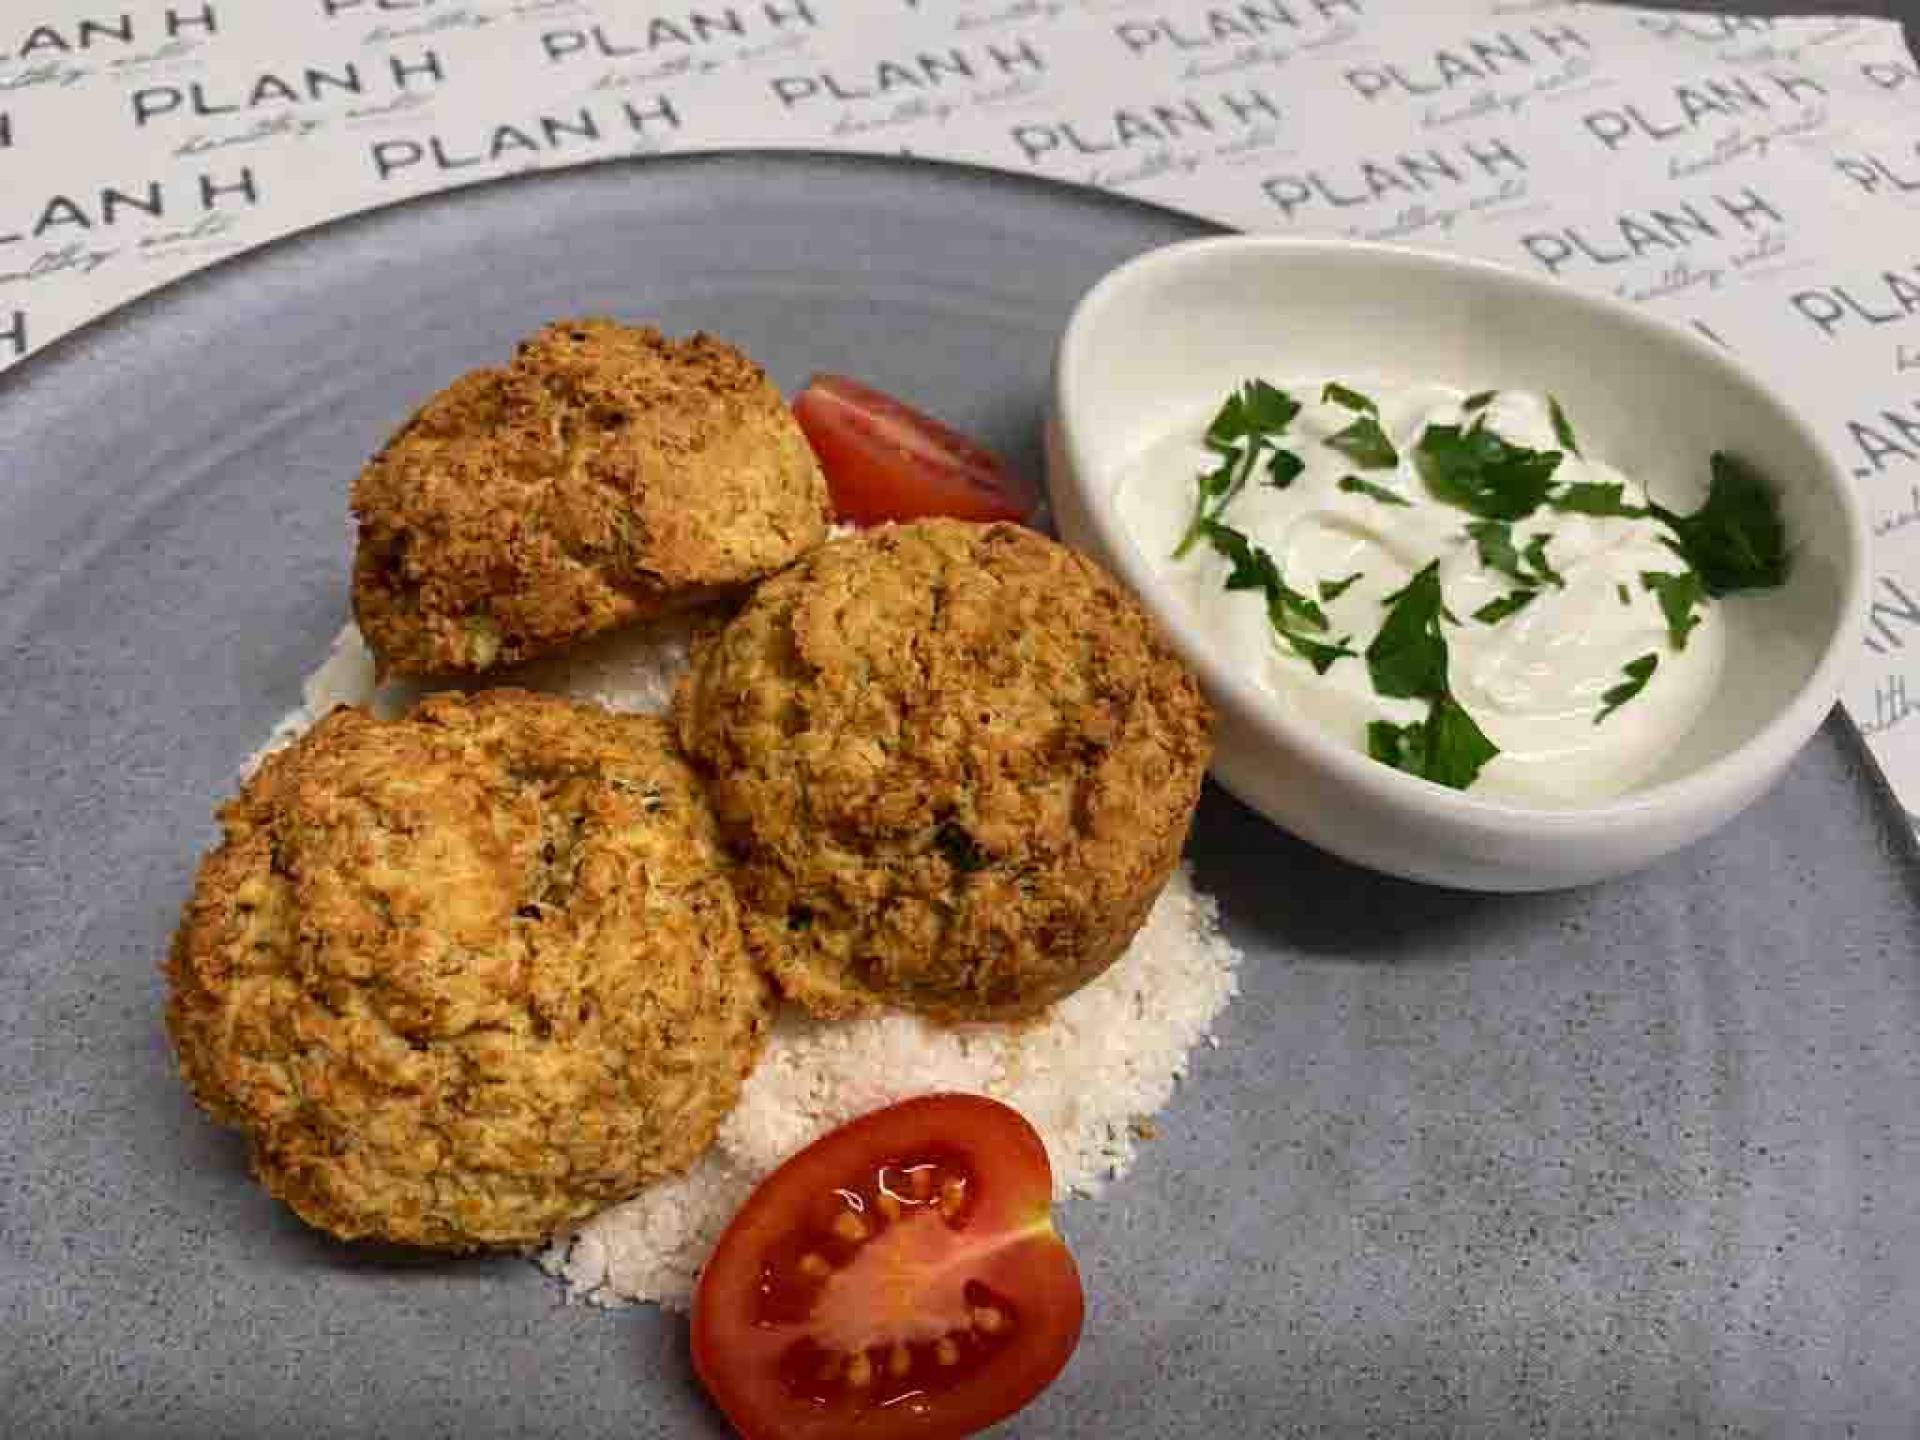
column 138, row 308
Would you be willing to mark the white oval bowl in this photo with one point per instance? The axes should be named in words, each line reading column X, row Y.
column 1170, row 333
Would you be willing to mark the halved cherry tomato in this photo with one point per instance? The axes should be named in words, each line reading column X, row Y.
column 885, row 460
column 899, row 1277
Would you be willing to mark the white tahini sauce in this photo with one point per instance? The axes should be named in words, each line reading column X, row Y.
column 1533, row 681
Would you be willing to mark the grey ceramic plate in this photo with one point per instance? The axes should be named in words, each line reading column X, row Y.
column 1636, row 1159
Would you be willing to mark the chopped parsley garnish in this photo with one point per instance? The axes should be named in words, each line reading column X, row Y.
column 1216, row 487
column 1254, row 411
column 1480, row 472
column 1318, row 653
column 1494, row 540
column 1562, row 427
column 1594, row 498
column 1248, row 422
column 1638, row 672
column 1289, row 612
column 1494, row 611
column 1677, row 594
column 1354, row 485
column 1536, row 556
column 1331, row 590
column 1366, row 444
column 1254, row 569
column 1446, row 748
column 1340, row 395
column 1408, row 658
column 1404, row 747
column 1736, row 540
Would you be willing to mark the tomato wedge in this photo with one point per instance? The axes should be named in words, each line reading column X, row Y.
column 885, row 460
column 900, row 1277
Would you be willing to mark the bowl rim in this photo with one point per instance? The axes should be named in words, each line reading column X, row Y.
column 1725, row 780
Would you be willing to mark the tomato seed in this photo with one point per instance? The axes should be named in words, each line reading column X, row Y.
column 859, row 1370
column 887, row 1206
column 920, row 1181
column 849, row 1227
column 945, row 1352
column 814, row 1266
column 988, row 1320
column 899, row 1361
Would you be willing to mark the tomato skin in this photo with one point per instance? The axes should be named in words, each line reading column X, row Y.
column 1002, row 1243
column 885, row 460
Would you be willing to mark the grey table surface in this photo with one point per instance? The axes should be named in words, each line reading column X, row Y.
column 1639, row 1159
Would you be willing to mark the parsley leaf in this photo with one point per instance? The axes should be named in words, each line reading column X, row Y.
column 1224, row 480
column 1638, row 673
column 1292, row 602
column 1287, row 609
column 1594, row 498
column 1284, row 468
column 1318, row 653
column 1678, row 594
column 1404, row 747
column 1478, row 401
column 1480, row 472
column 1366, row 444
column 1736, row 540
column 1447, row 747
column 1255, row 409
column 1408, row 658
column 1354, row 485
column 1536, row 555
column 1254, row 569
column 1494, row 540
column 1562, row 427
column 1494, row 611
column 1457, row 748
column 1331, row 590
column 1249, row 420
column 1217, row 487
column 1350, row 399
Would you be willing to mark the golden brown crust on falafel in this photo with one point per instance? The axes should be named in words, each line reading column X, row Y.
column 608, row 474
column 956, row 763
column 467, row 977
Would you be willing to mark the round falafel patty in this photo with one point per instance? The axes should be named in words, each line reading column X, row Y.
column 607, row 475
column 956, row 764
column 469, row 976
